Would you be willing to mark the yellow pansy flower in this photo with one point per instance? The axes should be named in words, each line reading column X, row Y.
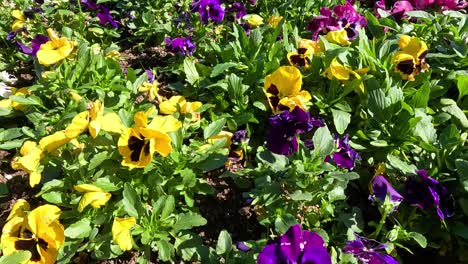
column 9, row 103
column 19, row 19
column 109, row 122
column 29, row 161
column 152, row 89
column 306, row 48
column 93, row 196
column 174, row 103
column 343, row 72
column 411, row 59
column 54, row 50
column 339, row 37
column 273, row 21
column 112, row 54
column 121, row 232
column 284, row 85
column 52, row 142
column 75, row 96
column 221, row 135
column 255, row 20
column 38, row 232
column 138, row 144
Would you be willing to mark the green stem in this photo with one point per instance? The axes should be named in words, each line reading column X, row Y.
column 381, row 223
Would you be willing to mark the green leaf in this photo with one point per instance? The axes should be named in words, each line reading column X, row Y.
column 341, row 119
column 131, row 201
column 421, row 97
column 29, row 100
column 80, row 229
column 424, row 129
column 16, row 257
column 323, row 141
column 420, row 14
column 462, row 84
column 275, row 161
column 224, row 245
column 451, row 107
column 169, row 206
column 344, row 176
column 462, row 170
column 12, row 144
column 191, row 71
column 10, row 134
column 221, row 68
column 165, row 250
column 188, row 220
column 50, row 185
column 301, row 196
column 214, row 128
column 55, row 197
column 398, row 164
column 98, row 159
column 419, row 238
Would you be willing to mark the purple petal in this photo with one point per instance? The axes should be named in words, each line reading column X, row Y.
column 36, row 43
column 381, row 187
column 268, row 255
column 242, row 246
column 23, row 48
column 316, row 255
column 292, row 244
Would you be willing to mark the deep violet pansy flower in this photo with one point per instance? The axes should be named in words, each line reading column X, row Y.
column 150, row 74
column 181, row 45
column 284, row 128
column 238, row 9
column 105, row 17
column 343, row 17
column 368, row 251
column 381, row 187
column 295, row 246
column 36, row 43
column 209, row 10
column 240, row 136
column 241, row 246
column 425, row 192
column 345, row 157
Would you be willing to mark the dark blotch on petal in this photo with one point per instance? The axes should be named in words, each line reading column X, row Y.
column 29, row 245
column 406, row 67
column 135, row 145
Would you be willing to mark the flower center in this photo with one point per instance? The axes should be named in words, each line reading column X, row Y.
column 29, row 243
column 137, row 145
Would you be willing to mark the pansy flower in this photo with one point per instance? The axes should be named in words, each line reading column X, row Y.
column 410, row 60
column 380, row 188
column 121, row 234
column 18, row 21
column 38, row 232
column 93, row 196
column 344, row 73
column 109, row 122
column 36, row 43
column 284, row 128
column 138, row 144
column 54, row 50
column 274, row 20
column 238, row 9
column 255, row 20
column 179, row 103
column 105, row 17
column 9, row 103
column 306, row 48
column 425, row 192
column 29, row 161
column 152, row 88
column 345, row 156
column 209, row 10
column 185, row 46
column 283, row 89
column 368, row 251
column 343, row 17
column 295, row 246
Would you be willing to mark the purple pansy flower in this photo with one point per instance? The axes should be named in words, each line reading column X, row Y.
column 427, row 193
column 240, row 136
column 398, row 10
column 36, row 43
column 343, row 17
column 295, row 246
column 12, row 34
column 241, row 246
column 345, row 157
column 209, row 10
column 368, row 251
column 238, row 9
column 90, row 4
column 182, row 45
column 381, row 187
column 282, row 138
column 150, row 74
column 105, row 17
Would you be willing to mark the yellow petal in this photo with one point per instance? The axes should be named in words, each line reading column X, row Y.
column 141, row 119
column 19, row 209
column 337, row 70
column 165, row 124
column 17, row 14
column 170, row 106
column 96, row 199
column 255, row 20
column 43, row 222
column 78, row 125
column 54, row 141
column 287, row 79
column 111, row 123
column 94, row 128
column 222, row 135
column 97, row 110
column 34, row 178
column 121, row 232
column 52, row 34
column 6, row 103
column 403, row 41
column 339, row 37
column 87, row 188
column 273, row 21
